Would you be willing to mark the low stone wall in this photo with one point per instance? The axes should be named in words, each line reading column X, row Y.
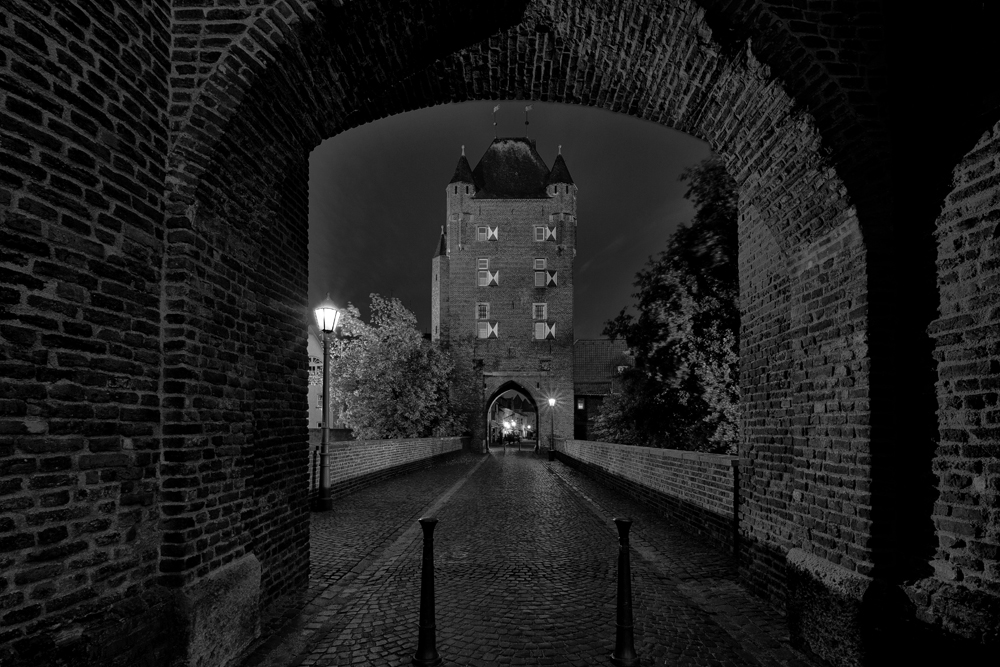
column 699, row 490
column 355, row 464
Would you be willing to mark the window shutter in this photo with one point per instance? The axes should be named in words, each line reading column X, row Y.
column 481, row 233
column 550, row 331
column 551, row 279
column 539, row 279
column 482, row 329
column 550, row 233
column 492, row 233
column 494, row 330
column 539, row 330
column 494, row 277
column 484, row 278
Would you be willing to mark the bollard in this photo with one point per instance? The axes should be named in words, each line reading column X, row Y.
column 427, row 654
column 624, row 654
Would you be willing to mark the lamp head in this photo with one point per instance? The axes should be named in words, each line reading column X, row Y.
column 552, row 402
column 328, row 315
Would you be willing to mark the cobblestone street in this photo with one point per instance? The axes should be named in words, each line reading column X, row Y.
column 525, row 567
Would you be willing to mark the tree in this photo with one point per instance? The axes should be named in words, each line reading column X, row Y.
column 683, row 392
column 392, row 382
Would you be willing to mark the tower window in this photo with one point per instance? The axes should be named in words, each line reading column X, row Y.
column 487, row 278
column 543, row 233
column 456, row 189
column 482, row 311
column 544, row 331
column 487, row 329
column 466, row 189
column 483, row 263
column 540, row 311
column 539, row 279
column 539, row 264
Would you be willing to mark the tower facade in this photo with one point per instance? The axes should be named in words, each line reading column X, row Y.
column 502, row 290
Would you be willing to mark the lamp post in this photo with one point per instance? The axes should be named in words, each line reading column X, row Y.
column 328, row 318
column 552, row 424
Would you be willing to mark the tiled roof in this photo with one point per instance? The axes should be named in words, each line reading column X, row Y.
column 511, row 168
column 595, row 365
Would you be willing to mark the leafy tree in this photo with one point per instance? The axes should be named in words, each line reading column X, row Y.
column 683, row 392
column 392, row 382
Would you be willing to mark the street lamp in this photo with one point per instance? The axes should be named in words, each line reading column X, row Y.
column 328, row 318
column 552, row 424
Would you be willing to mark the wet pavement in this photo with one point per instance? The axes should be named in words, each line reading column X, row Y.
column 525, row 574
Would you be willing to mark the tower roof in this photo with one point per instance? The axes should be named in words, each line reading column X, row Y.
column 463, row 172
column 442, row 246
column 511, row 168
column 560, row 172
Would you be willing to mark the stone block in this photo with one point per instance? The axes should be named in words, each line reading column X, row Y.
column 221, row 613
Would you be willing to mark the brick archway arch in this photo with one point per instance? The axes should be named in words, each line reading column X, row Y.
column 510, row 385
column 237, row 211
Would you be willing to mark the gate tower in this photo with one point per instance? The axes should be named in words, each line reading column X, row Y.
column 502, row 278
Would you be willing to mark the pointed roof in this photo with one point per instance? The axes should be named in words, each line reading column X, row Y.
column 463, row 172
column 560, row 172
column 442, row 247
column 511, row 168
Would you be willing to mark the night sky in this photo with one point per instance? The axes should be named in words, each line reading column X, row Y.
column 377, row 199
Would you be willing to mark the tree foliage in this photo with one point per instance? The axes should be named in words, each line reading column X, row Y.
column 683, row 392
column 390, row 380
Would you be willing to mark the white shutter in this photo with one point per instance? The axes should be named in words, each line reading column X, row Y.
column 494, row 277
column 551, row 278
column 484, row 278
column 550, row 331
column 492, row 233
column 550, row 233
column 539, row 279
column 539, row 330
column 482, row 329
column 494, row 330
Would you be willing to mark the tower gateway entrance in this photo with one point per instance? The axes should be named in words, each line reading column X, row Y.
column 502, row 278
column 512, row 419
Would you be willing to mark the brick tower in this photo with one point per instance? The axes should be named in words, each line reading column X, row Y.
column 502, row 278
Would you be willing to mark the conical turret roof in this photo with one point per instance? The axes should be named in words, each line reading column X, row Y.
column 560, row 172
column 463, row 172
column 442, row 246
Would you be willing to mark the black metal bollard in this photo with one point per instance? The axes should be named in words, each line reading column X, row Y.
column 427, row 654
column 624, row 654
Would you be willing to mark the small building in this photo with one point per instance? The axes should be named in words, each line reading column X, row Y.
column 597, row 369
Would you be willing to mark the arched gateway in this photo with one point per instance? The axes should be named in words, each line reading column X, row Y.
column 154, row 368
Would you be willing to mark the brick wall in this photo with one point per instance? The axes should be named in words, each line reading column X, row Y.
column 83, row 136
column 355, row 464
column 966, row 514
column 696, row 489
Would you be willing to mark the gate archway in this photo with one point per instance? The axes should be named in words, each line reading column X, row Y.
column 491, row 425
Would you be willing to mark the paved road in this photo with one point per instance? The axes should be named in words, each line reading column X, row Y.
column 525, row 567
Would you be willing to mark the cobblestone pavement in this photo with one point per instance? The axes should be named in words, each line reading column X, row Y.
column 525, row 574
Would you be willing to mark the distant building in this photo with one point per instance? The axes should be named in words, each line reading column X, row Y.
column 597, row 369
column 502, row 277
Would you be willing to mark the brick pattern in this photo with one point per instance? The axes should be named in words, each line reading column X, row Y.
column 83, row 135
column 966, row 334
column 704, row 480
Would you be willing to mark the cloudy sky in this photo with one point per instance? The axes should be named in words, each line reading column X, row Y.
column 377, row 199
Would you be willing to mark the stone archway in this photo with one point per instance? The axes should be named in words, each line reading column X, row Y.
column 510, row 385
column 810, row 231
column 804, row 247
